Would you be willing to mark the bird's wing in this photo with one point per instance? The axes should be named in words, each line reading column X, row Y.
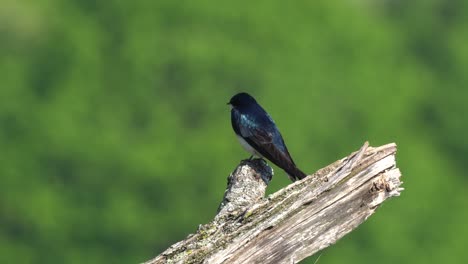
column 267, row 141
column 251, row 130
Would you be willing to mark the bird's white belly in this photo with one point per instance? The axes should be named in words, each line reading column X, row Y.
column 247, row 147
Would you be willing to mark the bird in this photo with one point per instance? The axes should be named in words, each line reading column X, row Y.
column 258, row 134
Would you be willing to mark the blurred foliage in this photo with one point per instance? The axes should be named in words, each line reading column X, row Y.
column 115, row 136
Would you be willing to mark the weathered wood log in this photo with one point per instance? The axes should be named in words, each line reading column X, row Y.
column 298, row 220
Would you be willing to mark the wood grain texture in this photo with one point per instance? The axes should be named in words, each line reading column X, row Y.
column 298, row 220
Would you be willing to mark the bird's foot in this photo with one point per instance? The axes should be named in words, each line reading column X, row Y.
column 254, row 159
column 249, row 159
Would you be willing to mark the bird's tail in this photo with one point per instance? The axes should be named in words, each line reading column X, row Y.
column 295, row 174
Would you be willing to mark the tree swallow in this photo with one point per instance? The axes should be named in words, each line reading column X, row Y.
column 258, row 134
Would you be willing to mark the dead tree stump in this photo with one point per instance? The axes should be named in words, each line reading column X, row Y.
column 298, row 220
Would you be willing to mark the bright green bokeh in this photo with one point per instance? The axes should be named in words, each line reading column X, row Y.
column 115, row 137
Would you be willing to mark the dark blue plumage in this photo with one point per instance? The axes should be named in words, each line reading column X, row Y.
column 259, row 135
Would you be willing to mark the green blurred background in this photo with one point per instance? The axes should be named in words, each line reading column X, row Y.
column 116, row 142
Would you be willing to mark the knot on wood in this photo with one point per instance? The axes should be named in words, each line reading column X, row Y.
column 386, row 185
column 389, row 181
column 381, row 184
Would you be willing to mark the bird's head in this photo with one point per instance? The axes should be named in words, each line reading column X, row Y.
column 241, row 99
